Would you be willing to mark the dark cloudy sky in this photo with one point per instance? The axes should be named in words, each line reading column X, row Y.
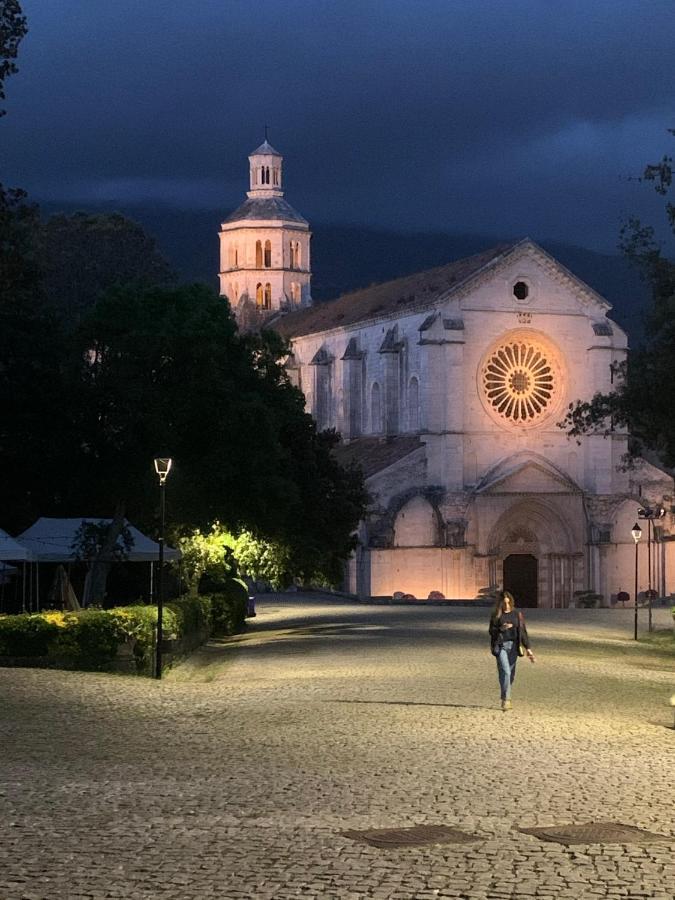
column 506, row 117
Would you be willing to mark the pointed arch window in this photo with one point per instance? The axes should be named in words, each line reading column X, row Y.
column 413, row 404
column 295, row 254
column 295, row 291
column 268, row 296
column 275, row 176
column 268, row 254
column 259, row 299
column 236, row 256
column 258, row 255
column 375, row 409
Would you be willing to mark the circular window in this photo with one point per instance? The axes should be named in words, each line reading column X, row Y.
column 519, row 381
column 521, row 290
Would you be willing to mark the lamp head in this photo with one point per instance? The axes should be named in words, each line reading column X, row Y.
column 162, row 467
column 636, row 531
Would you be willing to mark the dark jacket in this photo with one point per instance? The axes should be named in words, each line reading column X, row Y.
column 496, row 634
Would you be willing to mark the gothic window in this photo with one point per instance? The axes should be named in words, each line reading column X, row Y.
column 322, row 397
column 259, row 300
column 236, row 257
column 295, row 292
column 258, row 255
column 268, row 296
column 413, row 404
column 297, row 255
column 375, row 409
column 268, row 254
column 275, row 176
column 262, row 175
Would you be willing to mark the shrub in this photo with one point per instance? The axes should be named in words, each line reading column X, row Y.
column 89, row 640
column 193, row 619
column 228, row 608
column 587, row 599
column 26, row 635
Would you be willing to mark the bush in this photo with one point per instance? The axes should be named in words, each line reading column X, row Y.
column 228, row 608
column 587, row 599
column 90, row 639
column 26, row 635
column 193, row 621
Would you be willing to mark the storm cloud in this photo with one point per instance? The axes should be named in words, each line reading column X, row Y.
column 505, row 117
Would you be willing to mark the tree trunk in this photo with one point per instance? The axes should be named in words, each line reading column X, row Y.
column 100, row 566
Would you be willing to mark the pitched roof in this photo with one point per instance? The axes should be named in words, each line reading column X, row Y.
column 373, row 454
column 265, row 149
column 401, row 295
column 266, row 208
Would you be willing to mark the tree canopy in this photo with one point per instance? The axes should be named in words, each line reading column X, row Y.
column 644, row 398
column 83, row 255
column 166, row 372
column 13, row 29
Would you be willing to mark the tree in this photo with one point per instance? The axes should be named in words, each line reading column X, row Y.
column 13, row 29
column 166, row 372
column 34, row 421
column 644, row 399
column 83, row 256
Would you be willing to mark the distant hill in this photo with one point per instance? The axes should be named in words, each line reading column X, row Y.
column 349, row 257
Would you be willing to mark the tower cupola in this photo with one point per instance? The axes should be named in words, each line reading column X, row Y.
column 265, row 172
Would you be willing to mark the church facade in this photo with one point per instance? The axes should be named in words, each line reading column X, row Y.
column 447, row 387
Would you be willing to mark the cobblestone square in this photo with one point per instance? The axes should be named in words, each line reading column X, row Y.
column 235, row 776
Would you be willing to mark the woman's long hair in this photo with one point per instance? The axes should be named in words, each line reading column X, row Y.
column 502, row 596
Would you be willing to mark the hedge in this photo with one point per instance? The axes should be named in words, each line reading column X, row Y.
column 90, row 639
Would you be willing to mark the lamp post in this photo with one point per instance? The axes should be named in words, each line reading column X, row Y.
column 636, row 531
column 162, row 468
column 650, row 513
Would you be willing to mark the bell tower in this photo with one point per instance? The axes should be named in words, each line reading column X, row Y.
column 265, row 247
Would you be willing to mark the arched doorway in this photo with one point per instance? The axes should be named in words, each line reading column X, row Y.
column 521, row 572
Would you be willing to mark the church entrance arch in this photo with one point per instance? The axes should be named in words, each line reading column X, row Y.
column 521, row 578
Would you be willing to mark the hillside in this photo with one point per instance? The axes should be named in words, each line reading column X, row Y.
column 349, row 257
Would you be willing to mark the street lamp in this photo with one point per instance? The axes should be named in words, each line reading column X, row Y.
column 162, row 468
column 636, row 531
column 650, row 513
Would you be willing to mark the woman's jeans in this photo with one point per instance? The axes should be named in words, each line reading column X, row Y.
column 506, row 667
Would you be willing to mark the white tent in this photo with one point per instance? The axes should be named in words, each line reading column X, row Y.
column 51, row 540
column 13, row 550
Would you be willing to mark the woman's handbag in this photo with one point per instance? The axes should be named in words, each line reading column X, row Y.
column 521, row 646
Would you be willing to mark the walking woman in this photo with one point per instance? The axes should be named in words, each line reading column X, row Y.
column 507, row 635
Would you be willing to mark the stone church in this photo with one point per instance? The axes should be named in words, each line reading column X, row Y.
column 447, row 387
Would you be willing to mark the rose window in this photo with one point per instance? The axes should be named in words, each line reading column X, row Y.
column 519, row 381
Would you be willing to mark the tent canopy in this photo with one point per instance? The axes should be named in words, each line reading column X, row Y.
column 51, row 540
column 13, row 550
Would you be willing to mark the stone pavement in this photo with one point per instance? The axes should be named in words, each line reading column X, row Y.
column 235, row 776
